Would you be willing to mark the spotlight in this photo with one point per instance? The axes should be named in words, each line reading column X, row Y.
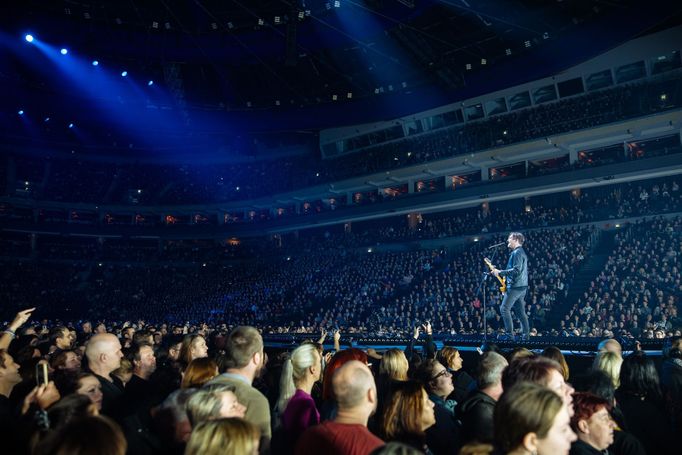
column 95, row 63
column 124, row 74
column 47, row 119
column 64, row 51
column 70, row 125
column 29, row 38
column 150, row 83
column 21, row 112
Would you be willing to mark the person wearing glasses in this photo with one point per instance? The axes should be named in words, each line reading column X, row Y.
column 443, row 436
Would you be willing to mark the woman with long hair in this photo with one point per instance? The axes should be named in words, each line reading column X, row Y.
column 639, row 397
column 407, row 415
column 199, row 372
column 295, row 404
column 193, row 347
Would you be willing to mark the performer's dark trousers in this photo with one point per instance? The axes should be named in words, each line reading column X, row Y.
column 514, row 299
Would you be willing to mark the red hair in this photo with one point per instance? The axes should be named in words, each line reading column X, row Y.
column 585, row 404
column 334, row 364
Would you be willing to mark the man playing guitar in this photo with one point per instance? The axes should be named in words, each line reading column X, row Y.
column 516, row 280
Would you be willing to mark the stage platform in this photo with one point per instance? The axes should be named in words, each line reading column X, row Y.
column 568, row 345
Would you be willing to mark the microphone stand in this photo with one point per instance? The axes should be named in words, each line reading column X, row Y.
column 481, row 288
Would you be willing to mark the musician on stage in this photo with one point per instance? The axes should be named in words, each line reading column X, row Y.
column 516, row 276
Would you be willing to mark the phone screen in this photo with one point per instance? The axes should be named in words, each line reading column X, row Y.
column 41, row 374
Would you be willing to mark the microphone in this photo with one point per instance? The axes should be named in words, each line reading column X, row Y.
column 496, row 245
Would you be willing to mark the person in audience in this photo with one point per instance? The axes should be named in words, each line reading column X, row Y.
column 199, row 372
column 227, row 436
column 245, row 360
column 671, row 383
column 60, row 339
column 104, row 356
column 124, row 372
column 530, row 418
column 463, row 383
column 542, row 371
column 295, row 404
column 86, row 435
column 408, row 415
column 328, row 408
column 193, row 347
column 394, row 365
column 89, row 385
column 610, row 345
column 65, row 360
column 444, row 434
column 610, row 363
column 214, row 402
column 356, row 397
column 592, row 423
column 555, row 354
column 639, row 397
column 476, row 413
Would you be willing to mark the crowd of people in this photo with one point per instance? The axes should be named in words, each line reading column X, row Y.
column 76, row 179
column 637, row 293
column 139, row 388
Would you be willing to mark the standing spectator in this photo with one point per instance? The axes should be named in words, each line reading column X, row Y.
column 408, row 415
column 230, row 436
column 461, row 380
column 442, row 437
column 245, row 360
column 104, row 356
column 199, row 372
column 639, row 397
column 476, row 413
column 298, row 411
column 347, row 434
column 193, row 347
column 592, row 423
column 530, row 418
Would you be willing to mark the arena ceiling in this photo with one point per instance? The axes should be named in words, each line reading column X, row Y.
column 365, row 59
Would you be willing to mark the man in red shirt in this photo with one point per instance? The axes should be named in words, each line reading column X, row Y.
column 347, row 433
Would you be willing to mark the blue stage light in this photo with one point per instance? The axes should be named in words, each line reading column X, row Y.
column 47, row 119
column 21, row 112
column 29, row 38
column 64, row 51
column 150, row 83
column 124, row 73
column 70, row 125
column 95, row 63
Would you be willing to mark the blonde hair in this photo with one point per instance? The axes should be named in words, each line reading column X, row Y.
column 447, row 356
column 230, row 436
column 609, row 363
column 205, row 404
column 394, row 365
column 294, row 370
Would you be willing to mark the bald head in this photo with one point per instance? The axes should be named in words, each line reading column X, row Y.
column 104, row 353
column 351, row 384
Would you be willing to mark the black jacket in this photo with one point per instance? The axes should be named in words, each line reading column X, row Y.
column 516, row 272
column 476, row 415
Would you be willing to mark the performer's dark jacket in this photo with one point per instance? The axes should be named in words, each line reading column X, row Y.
column 516, row 273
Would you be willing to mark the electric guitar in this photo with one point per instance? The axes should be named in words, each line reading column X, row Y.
column 503, row 282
